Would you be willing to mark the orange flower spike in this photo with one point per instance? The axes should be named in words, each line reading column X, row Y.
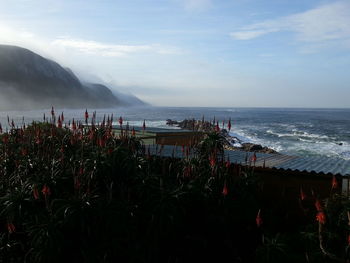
column 24, row 152
column 187, row 171
column 144, row 125
column 302, row 194
column 334, row 182
column 35, row 193
column 254, row 157
column 229, row 124
column 59, row 122
column 225, row 190
column 212, row 161
column 46, row 191
column 258, row 219
column 5, row 139
column 77, row 183
column 11, row 228
column 217, row 128
column 0, row 128
column 318, row 205
column 74, row 126
column 321, row 217
column 133, row 133
column 86, row 115
column 52, row 111
column 120, row 121
column 228, row 163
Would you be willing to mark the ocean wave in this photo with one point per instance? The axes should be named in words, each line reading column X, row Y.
column 305, row 144
column 298, row 134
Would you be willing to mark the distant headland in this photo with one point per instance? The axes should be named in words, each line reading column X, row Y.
column 30, row 81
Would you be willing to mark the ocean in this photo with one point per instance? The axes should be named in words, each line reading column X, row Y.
column 293, row 131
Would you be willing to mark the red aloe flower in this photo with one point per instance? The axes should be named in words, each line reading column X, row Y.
column 321, row 217
column 258, row 219
column 228, row 163
column 62, row 116
column 187, row 151
column 52, row 111
column 103, row 121
column 217, row 128
column 59, row 122
column 72, row 140
column 225, row 190
column 120, row 121
column 11, row 228
column 74, row 126
column 212, row 161
column 144, row 125
column 302, row 194
column 0, row 128
column 38, row 140
column 77, row 183
column 86, row 115
column 35, row 193
column 229, row 124
column 46, row 191
column 253, row 158
column 133, row 133
column 318, row 205
column 102, row 142
column 24, row 151
column 5, row 139
column 187, row 171
column 334, row 182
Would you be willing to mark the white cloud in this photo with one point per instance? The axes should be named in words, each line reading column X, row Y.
column 246, row 35
column 97, row 48
column 325, row 23
column 111, row 50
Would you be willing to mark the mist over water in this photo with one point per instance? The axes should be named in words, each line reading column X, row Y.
column 301, row 132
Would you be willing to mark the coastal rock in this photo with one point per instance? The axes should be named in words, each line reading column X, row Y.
column 231, row 142
column 192, row 124
column 171, row 122
column 252, row 147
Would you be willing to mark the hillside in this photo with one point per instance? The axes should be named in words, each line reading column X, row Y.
column 30, row 81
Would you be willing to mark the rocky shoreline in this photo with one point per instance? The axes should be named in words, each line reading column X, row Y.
column 232, row 143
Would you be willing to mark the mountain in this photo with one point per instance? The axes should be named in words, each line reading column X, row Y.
column 30, row 81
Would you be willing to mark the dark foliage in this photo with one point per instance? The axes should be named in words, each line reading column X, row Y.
column 82, row 194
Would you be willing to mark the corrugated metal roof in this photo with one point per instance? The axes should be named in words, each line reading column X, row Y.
column 155, row 130
column 319, row 164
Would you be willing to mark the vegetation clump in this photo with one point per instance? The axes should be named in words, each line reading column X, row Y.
column 76, row 192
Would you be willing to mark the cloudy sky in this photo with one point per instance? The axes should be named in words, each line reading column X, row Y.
column 276, row 53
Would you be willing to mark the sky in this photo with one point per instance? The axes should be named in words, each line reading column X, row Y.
column 221, row 53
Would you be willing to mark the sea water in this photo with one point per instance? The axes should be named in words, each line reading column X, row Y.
column 301, row 132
